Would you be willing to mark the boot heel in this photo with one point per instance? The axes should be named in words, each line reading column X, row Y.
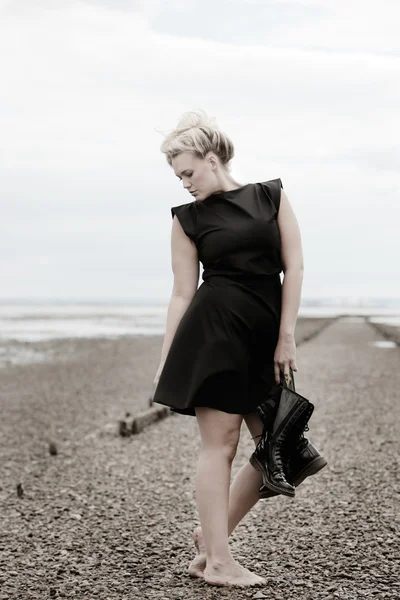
column 311, row 469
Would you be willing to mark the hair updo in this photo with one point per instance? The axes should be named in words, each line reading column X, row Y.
column 196, row 132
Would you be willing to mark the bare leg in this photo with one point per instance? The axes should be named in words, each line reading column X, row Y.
column 243, row 496
column 219, row 436
column 219, row 433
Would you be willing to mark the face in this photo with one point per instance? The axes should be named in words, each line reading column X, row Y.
column 197, row 174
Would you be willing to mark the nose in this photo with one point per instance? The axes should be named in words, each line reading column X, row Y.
column 187, row 185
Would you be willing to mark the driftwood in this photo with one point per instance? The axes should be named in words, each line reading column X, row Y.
column 136, row 424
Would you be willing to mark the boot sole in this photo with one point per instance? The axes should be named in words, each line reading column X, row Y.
column 311, row 469
column 258, row 466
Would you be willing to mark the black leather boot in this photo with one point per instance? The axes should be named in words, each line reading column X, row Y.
column 302, row 460
column 292, row 415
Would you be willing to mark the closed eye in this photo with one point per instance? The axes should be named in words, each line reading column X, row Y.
column 187, row 174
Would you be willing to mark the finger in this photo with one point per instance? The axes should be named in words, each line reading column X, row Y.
column 286, row 373
column 277, row 373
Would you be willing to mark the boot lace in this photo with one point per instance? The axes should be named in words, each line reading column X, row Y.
column 279, row 461
column 302, row 441
column 263, row 438
column 297, row 441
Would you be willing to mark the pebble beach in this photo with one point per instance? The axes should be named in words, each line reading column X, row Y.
column 89, row 515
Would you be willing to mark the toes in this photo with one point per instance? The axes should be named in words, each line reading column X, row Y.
column 196, row 573
column 197, row 566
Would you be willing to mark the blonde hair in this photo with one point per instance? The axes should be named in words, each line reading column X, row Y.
column 198, row 133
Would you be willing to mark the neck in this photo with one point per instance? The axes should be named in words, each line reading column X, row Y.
column 227, row 184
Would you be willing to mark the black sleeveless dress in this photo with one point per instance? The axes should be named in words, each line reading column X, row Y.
column 222, row 353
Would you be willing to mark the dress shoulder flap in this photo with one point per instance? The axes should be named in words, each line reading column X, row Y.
column 272, row 191
column 185, row 213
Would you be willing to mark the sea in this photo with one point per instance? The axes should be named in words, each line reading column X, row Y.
column 25, row 327
column 38, row 321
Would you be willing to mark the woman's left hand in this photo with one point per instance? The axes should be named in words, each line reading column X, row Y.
column 285, row 357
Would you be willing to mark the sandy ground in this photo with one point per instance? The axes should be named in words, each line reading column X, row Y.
column 110, row 517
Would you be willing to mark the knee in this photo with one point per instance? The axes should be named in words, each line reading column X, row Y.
column 229, row 450
column 226, row 448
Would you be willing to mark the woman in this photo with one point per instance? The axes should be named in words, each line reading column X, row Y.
column 228, row 341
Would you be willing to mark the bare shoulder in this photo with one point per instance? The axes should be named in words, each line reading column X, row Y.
column 286, row 219
column 285, row 207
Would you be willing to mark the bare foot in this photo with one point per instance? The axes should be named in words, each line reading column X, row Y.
column 231, row 573
column 198, row 564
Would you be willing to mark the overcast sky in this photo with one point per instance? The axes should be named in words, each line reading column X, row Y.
column 309, row 91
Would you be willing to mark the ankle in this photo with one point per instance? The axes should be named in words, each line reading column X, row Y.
column 218, row 561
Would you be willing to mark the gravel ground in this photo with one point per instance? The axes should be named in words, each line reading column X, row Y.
column 110, row 518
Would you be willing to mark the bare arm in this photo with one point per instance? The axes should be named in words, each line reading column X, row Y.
column 185, row 267
column 293, row 267
column 292, row 258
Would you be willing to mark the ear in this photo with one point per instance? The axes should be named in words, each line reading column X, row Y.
column 213, row 161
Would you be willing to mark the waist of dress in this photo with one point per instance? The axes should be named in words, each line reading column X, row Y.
column 240, row 276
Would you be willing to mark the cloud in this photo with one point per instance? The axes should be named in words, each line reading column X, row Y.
column 328, row 25
column 312, row 98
